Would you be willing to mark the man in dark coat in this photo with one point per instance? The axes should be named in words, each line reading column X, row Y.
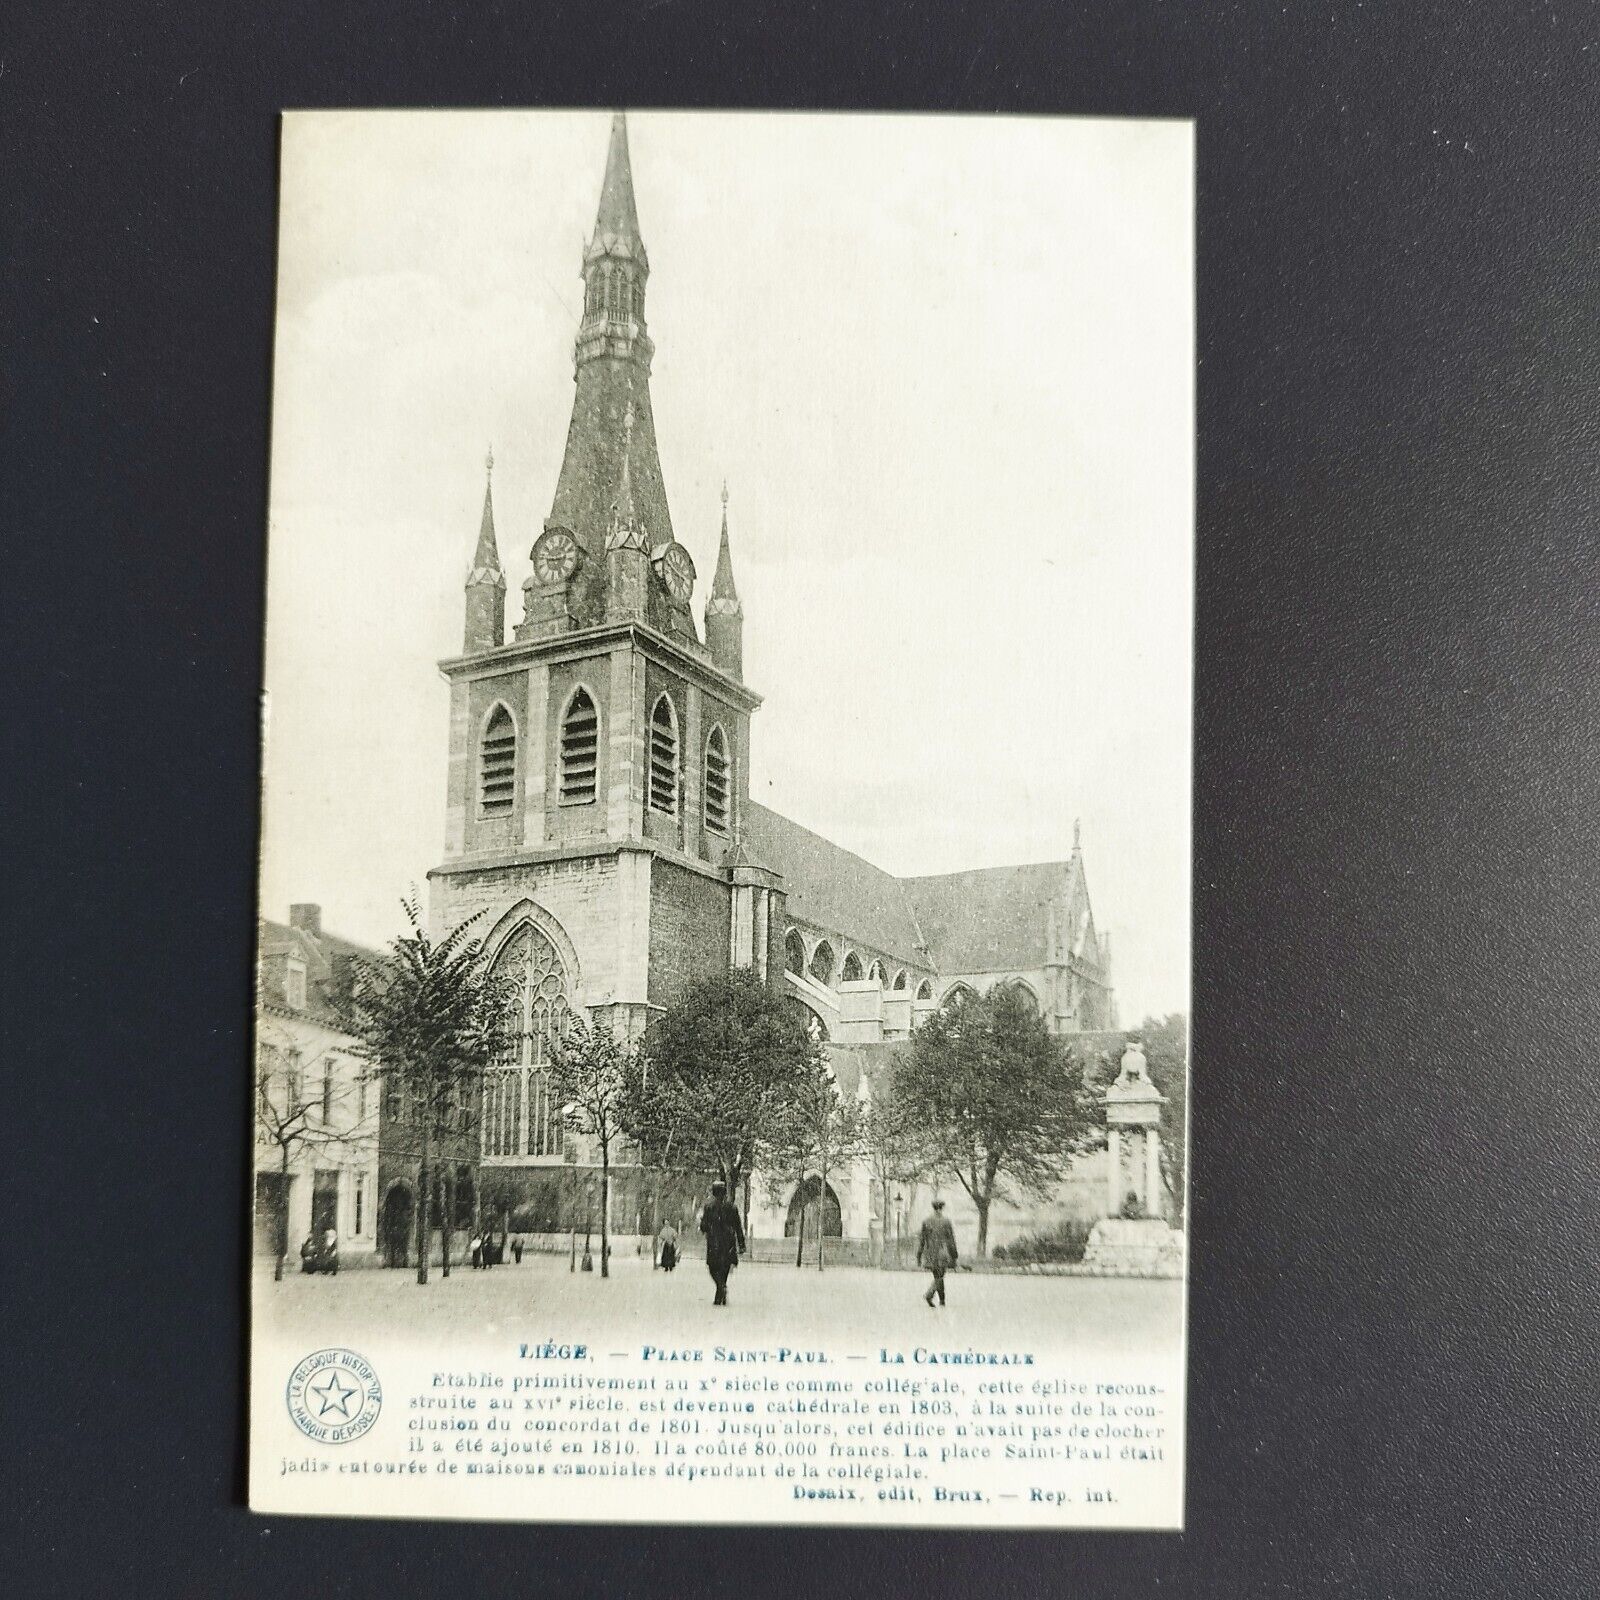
column 724, row 1232
column 936, row 1249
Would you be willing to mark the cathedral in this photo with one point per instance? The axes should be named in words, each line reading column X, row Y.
column 599, row 823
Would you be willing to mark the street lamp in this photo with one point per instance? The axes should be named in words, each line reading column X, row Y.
column 899, row 1200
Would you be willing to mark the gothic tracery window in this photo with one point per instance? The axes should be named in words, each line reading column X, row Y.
column 794, row 952
column 518, row 1118
column 851, row 971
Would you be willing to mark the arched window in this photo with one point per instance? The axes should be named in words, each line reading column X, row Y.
column 822, row 963
column 876, row 973
column 924, row 990
column 1023, row 992
column 794, row 952
column 518, row 1118
column 717, row 784
column 497, row 765
column 816, row 1028
column 959, row 995
column 900, row 980
column 664, row 757
column 580, row 751
column 851, row 971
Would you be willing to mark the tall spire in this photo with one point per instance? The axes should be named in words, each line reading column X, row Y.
column 611, row 370
column 616, row 223
column 486, row 583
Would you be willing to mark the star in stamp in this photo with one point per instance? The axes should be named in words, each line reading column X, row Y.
column 334, row 1396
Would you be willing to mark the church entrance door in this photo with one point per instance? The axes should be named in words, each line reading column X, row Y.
column 395, row 1227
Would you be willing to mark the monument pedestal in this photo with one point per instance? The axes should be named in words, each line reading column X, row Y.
column 1134, row 1247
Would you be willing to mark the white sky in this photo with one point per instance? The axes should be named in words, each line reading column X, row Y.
column 946, row 365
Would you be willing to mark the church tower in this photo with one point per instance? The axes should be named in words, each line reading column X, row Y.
column 599, row 758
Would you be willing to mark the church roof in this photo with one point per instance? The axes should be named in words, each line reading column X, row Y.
column 995, row 919
column 834, row 889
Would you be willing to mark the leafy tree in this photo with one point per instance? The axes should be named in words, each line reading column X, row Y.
column 817, row 1131
column 999, row 1100
column 723, row 1066
column 591, row 1071
column 429, row 1020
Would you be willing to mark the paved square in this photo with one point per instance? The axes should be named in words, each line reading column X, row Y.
column 851, row 1309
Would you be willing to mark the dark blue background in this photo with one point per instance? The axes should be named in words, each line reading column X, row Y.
column 1393, row 1348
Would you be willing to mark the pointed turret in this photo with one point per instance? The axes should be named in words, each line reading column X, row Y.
column 724, row 612
column 486, row 582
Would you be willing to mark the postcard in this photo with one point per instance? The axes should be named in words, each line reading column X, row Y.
column 721, row 1050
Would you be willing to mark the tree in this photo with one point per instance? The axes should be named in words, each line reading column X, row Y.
column 818, row 1130
column 999, row 1100
column 429, row 1020
column 591, row 1071
column 723, row 1065
column 291, row 1121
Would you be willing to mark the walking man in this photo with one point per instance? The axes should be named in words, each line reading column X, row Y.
column 936, row 1249
column 724, row 1232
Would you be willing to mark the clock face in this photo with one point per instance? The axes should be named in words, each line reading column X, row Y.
column 555, row 556
column 677, row 572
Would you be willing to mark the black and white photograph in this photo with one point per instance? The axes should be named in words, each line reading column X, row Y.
column 722, row 1037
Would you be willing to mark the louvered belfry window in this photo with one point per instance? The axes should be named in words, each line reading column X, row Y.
column 580, row 751
column 717, row 785
column 664, row 758
column 498, row 765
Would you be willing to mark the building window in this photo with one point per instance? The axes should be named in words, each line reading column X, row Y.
column 294, row 1083
column 295, row 984
column 900, row 980
column 664, row 758
column 717, row 785
column 822, row 963
column 851, row 971
column 518, row 1117
column 794, row 953
column 924, row 990
column 327, row 1091
column 580, row 751
column 361, row 1202
column 497, row 765
column 877, row 974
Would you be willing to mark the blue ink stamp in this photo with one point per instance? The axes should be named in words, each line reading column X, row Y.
column 334, row 1396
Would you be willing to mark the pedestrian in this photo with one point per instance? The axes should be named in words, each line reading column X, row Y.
column 475, row 1245
column 724, row 1232
column 667, row 1245
column 936, row 1249
column 516, row 1248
